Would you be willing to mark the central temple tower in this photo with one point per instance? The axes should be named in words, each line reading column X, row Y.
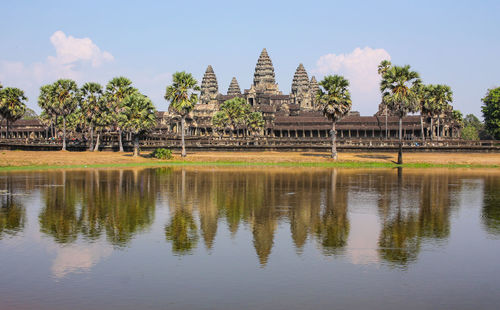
column 264, row 83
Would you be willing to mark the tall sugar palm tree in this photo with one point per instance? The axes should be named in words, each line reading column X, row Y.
column 335, row 101
column 46, row 103
column 437, row 101
column 137, row 117
column 422, row 93
column 116, row 91
column 399, row 95
column 12, row 105
column 441, row 98
column 382, row 69
column 254, row 122
column 233, row 112
column 65, row 101
column 182, row 95
column 91, row 96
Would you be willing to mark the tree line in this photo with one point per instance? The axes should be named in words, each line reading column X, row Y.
column 120, row 107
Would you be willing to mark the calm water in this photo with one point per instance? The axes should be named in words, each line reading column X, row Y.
column 238, row 238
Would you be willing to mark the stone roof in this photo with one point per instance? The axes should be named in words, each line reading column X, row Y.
column 300, row 81
column 209, row 84
column 234, row 88
column 264, row 70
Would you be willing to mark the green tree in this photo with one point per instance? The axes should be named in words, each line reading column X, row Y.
column 399, row 95
column 65, row 101
column 137, row 117
column 470, row 133
column 12, row 105
column 254, row 122
column 182, row 96
column 491, row 112
column 422, row 91
column 116, row 91
column 439, row 98
column 220, row 121
column 382, row 69
column 46, row 103
column 30, row 114
column 91, row 97
column 233, row 113
column 457, row 121
column 335, row 102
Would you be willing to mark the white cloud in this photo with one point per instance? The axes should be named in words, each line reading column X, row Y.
column 360, row 68
column 70, row 50
column 74, row 58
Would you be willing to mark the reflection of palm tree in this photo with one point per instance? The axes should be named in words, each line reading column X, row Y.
column 332, row 230
column 182, row 232
column 12, row 212
column 124, row 208
column 119, row 203
column 491, row 205
column 404, row 229
column 58, row 217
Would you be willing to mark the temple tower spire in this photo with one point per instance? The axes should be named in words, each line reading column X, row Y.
column 234, row 88
column 314, row 88
column 264, row 70
column 300, row 81
column 301, row 91
column 209, row 86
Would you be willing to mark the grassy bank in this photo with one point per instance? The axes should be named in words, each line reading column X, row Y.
column 25, row 160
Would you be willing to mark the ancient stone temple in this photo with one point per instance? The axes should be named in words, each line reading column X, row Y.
column 296, row 115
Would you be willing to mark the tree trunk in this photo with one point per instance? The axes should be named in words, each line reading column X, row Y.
column 334, row 144
column 432, row 128
column 64, row 134
column 422, row 128
column 400, row 153
column 386, row 132
column 96, row 148
column 120, row 144
column 136, row 145
column 183, row 152
column 7, row 132
column 91, row 142
column 438, row 133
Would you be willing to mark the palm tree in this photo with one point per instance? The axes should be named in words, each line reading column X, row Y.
column 91, row 96
column 458, row 121
column 116, row 91
column 182, row 97
column 254, row 122
column 382, row 69
column 233, row 113
column 399, row 95
column 440, row 99
column 422, row 93
column 12, row 105
column 65, row 100
column 45, row 102
column 220, row 121
column 335, row 101
column 138, row 116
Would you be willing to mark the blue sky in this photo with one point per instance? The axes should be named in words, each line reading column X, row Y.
column 449, row 42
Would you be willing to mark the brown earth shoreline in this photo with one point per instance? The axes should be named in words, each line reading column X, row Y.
column 60, row 158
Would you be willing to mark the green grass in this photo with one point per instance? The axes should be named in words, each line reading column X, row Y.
column 346, row 164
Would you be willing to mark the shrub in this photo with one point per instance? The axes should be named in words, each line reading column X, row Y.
column 162, row 153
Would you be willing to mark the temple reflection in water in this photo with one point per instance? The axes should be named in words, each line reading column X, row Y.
column 408, row 209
